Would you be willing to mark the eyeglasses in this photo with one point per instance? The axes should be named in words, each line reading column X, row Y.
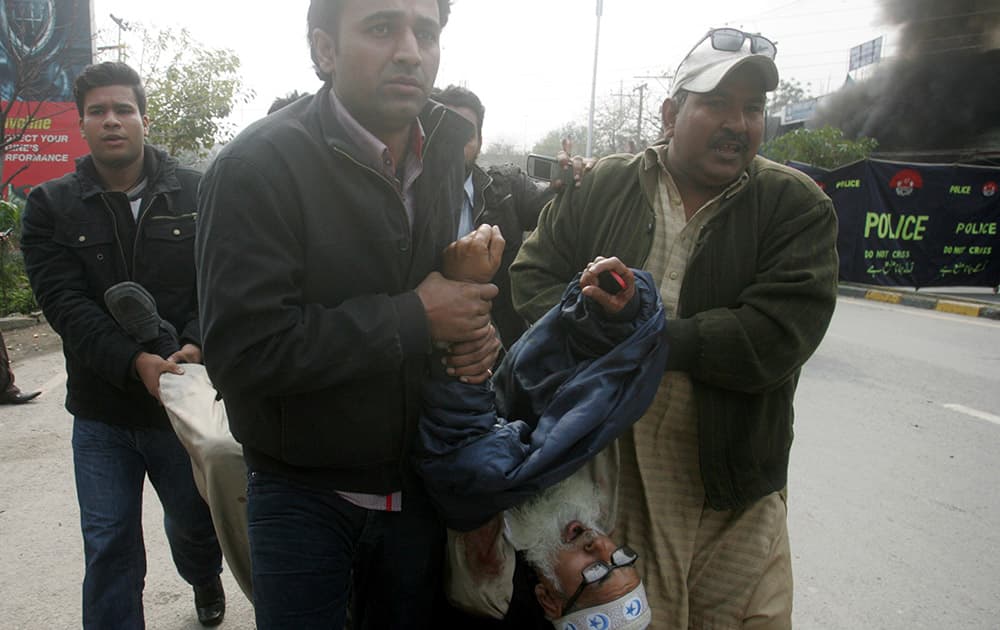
column 599, row 571
column 732, row 39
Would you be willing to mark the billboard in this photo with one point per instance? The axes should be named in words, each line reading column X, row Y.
column 43, row 46
column 866, row 54
column 916, row 225
column 800, row 111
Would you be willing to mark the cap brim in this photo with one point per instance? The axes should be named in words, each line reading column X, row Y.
column 710, row 78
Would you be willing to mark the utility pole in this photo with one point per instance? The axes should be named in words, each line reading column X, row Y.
column 619, row 117
column 593, row 84
column 660, row 78
column 122, row 26
column 642, row 92
column 621, row 95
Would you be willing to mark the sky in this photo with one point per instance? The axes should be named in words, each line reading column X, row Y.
column 530, row 61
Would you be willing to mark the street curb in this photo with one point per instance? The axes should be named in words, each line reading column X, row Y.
column 930, row 302
column 969, row 308
column 15, row 322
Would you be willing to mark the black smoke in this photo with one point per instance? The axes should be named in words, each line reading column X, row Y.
column 942, row 90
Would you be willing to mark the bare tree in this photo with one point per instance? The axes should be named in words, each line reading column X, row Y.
column 623, row 122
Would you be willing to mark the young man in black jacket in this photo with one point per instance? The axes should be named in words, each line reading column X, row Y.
column 127, row 214
column 321, row 228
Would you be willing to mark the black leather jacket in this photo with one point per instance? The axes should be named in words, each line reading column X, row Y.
column 505, row 196
column 307, row 268
column 78, row 240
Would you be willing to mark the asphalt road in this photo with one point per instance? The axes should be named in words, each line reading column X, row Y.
column 894, row 505
column 41, row 548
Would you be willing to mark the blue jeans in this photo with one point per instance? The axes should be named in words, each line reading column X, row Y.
column 110, row 463
column 310, row 550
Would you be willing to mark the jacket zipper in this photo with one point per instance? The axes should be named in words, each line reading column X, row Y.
column 118, row 238
column 138, row 229
column 482, row 211
column 170, row 217
column 399, row 194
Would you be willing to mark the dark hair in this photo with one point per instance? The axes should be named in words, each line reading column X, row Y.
column 676, row 102
column 105, row 74
column 457, row 96
column 680, row 98
column 284, row 101
column 325, row 15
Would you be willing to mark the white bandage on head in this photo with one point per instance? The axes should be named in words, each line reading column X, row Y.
column 628, row 612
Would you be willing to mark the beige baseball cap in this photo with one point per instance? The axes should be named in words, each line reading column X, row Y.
column 720, row 52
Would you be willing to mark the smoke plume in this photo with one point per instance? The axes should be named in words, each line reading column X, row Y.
column 940, row 92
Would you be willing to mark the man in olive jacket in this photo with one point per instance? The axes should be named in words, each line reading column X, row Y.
column 743, row 250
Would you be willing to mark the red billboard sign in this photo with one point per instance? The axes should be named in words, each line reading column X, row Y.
column 43, row 46
column 50, row 143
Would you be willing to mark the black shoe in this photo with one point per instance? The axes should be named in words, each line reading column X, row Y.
column 134, row 309
column 15, row 396
column 210, row 602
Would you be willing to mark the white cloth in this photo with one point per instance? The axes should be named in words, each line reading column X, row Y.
column 474, row 587
column 628, row 612
column 220, row 473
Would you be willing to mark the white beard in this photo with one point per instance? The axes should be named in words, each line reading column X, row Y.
column 536, row 527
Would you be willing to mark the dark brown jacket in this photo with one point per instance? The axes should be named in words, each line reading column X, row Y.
column 757, row 296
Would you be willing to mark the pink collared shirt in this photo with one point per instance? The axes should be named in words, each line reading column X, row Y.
column 376, row 154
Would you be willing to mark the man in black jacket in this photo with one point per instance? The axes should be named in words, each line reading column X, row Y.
column 500, row 195
column 126, row 214
column 321, row 229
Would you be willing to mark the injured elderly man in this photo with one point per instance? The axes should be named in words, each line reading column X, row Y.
column 522, row 467
column 553, row 550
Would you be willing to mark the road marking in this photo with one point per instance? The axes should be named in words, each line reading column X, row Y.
column 982, row 322
column 975, row 413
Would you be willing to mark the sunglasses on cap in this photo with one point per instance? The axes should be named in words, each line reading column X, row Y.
column 732, row 40
column 599, row 571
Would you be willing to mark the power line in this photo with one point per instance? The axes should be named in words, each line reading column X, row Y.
column 796, row 16
column 813, row 14
column 923, row 53
column 952, row 16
